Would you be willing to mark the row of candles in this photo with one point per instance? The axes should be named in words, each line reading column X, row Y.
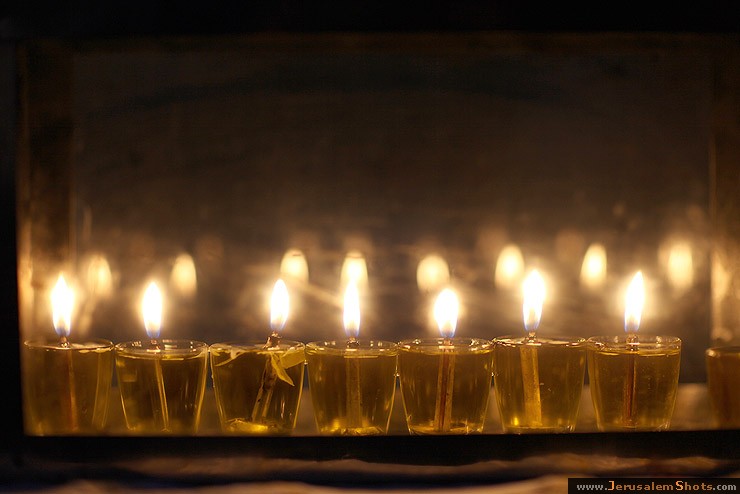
column 444, row 382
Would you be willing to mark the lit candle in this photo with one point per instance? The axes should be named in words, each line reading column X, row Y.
column 445, row 314
column 151, row 309
column 62, row 301
column 533, row 290
column 351, row 318
column 634, row 303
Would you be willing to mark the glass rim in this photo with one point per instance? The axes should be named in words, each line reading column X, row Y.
column 284, row 344
column 339, row 347
column 646, row 342
column 718, row 350
column 171, row 347
column 88, row 344
column 555, row 340
column 459, row 343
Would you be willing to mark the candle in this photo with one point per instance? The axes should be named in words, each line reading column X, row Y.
column 723, row 381
column 352, row 382
column 161, row 381
column 538, row 380
column 634, row 378
column 445, row 381
column 66, row 384
column 258, row 385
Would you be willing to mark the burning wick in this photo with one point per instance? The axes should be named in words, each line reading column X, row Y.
column 352, row 363
column 634, row 303
column 533, row 290
column 279, row 308
column 445, row 313
column 151, row 308
column 62, row 301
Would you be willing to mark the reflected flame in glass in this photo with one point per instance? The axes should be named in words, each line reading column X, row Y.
column 352, row 311
column 446, row 309
column 183, row 277
column 151, row 309
column 354, row 269
column 294, row 266
column 634, row 303
column 533, row 291
column 62, row 302
column 509, row 267
column 99, row 277
column 279, row 306
column 593, row 269
column 432, row 273
column 680, row 268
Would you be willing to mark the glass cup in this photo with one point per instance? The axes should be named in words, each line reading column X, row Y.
column 723, row 381
column 352, row 388
column 162, row 386
column 258, row 389
column 633, row 385
column 538, row 382
column 66, row 388
column 445, row 384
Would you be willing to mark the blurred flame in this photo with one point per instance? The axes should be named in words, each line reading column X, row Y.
column 509, row 267
column 445, row 312
column 279, row 306
column 151, row 308
column 533, row 290
column 62, row 302
column 294, row 265
column 593, row 269
column 680, row 266
column 634, row 303
column 183, row 277
column 352, row 311
column 354, row 269
column 432, row 273
column 99, row 277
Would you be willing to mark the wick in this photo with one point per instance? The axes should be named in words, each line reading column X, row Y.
column 445, row 381
column 63, row 342
column 154, row 342
column 352, row 342
column 353, row 392
column 531, row 381
column 73, row 422
column 630, row 385
column 273, row 340
column 267, row 382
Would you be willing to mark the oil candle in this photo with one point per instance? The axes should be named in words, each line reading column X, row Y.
column 538, row 381
column 161, row 381
column 66, row 384
column 353, row 382
column 445, row 382
column 633, row 378
column 723, row 380
column 258, row 385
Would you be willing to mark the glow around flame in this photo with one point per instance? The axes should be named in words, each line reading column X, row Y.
column 446, row 309
column 533, row 291
column 184, row 278
column 62, row 301
column 509, row 267
column 279, row 306
column 151, row 308
column 432, row 273
column 354, row 269
column 294, row 266
column 593, row 269
column 352, row 311
column 634, row 303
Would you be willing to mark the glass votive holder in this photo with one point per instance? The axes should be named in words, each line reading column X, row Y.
column 162, row 385
column 633, row 384
column 538, row 382
column 445, row 384
column 258, row 389
column 352, row 387
column 723, row 381
column 66, row 388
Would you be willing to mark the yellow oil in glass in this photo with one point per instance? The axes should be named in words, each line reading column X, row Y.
column 66, row 390
column 162, row 391
column 253, row 396
column 553, row 405
column 723, row 380
column 634, row 388
column 352, row 389
column 466, row 381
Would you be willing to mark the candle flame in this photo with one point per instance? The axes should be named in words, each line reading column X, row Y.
column 593, row 269
column 533, row 290
column 294, row 266
column 352, row 311
column 634, row 303
column 184, row 278
column 279, row 306
column 432, row 273
column 62, row 301
column 509, row 267
column 445, row 312
column 151, row 308
column 354, row 269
